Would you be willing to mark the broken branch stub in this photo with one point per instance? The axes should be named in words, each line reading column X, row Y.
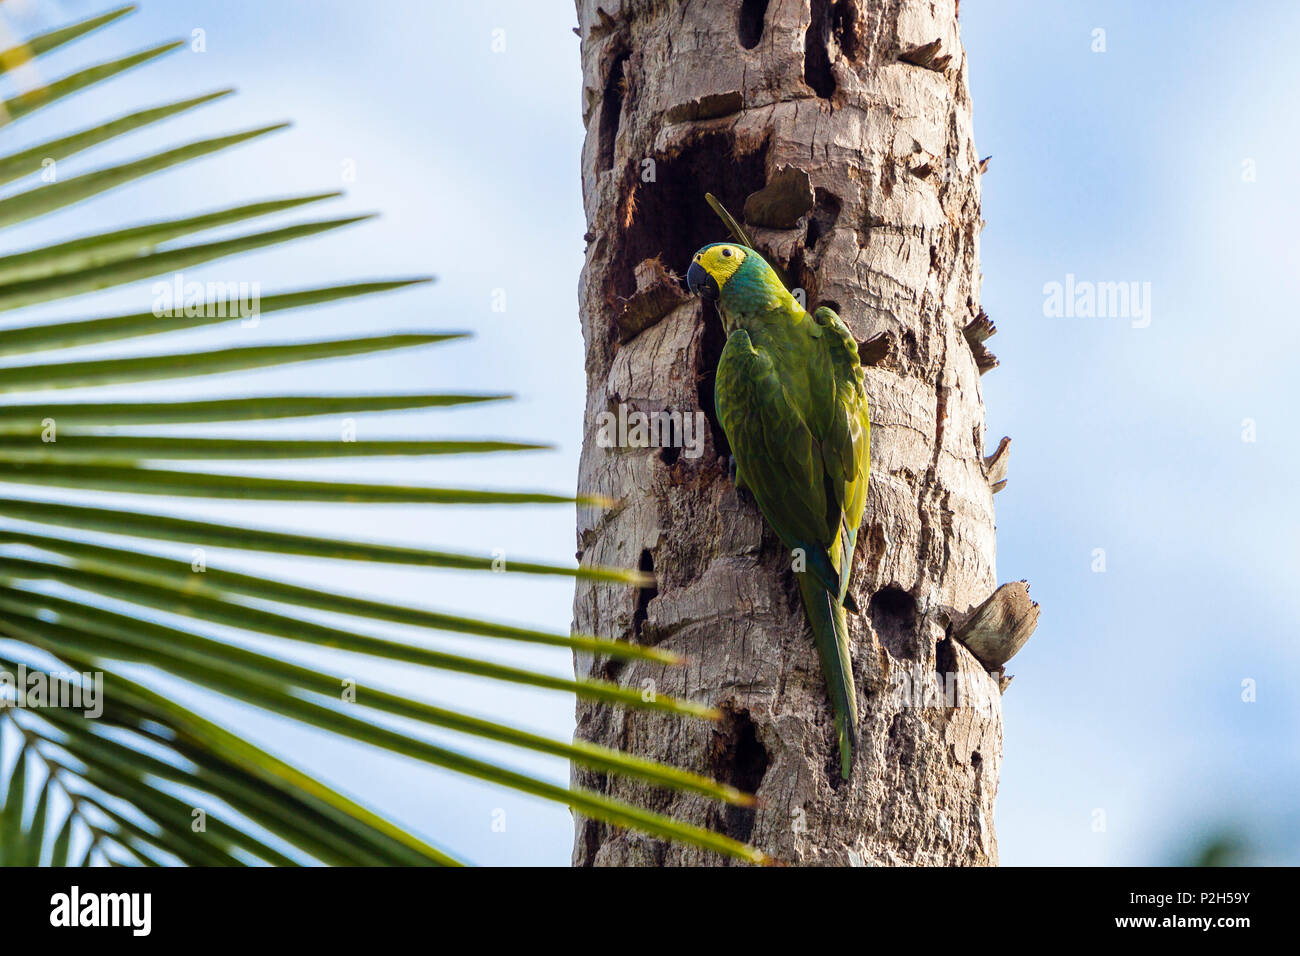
column 927, row 56
column 995, row 465
column 658, row 292
column 1000, row 627
column 978, row 331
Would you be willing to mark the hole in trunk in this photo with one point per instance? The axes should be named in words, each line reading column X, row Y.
column 893, row 617
column 669, row 218
column 611, row 109
column 750, row 25
column 845, row 26
column 816, row 50
column 825, row 212
column 740, row 759
column 945, row 669
column 644, row 596
column 814, row 233
column 593, row 838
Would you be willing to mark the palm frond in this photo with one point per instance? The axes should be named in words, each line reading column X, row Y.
column 96, row 605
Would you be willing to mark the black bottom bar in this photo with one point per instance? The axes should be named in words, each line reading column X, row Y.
column 1005, row 905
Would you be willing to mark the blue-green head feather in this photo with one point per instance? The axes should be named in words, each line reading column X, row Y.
column 737, row 277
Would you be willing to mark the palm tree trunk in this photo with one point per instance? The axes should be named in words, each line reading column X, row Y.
column 842, row 129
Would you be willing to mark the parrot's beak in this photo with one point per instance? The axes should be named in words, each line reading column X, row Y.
column 700, row 282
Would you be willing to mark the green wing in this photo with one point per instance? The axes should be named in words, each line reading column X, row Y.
column 807, row 467
column 777, row 457
column 846, row 438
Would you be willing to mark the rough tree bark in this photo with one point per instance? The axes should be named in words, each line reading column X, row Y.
column 842, row 128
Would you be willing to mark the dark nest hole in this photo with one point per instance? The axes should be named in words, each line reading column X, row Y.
column 893, row 617
column 611, row 107
column 847, row 28
column 644, row 595
column 671, row 220
column 816, row 50
column 814, row 233
column 825, row 212
column 739, row 759
column 749, row 25
column 945, row 663
column 594, row 834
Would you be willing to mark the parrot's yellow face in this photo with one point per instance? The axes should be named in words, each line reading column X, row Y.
column 712, row 267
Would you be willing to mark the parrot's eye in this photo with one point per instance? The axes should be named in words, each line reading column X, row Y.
column 726, row 252
column 697, row 258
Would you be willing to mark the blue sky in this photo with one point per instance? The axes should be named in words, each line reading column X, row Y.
column 1117, row 166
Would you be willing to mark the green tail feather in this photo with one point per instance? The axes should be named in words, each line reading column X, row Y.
column 830, row 629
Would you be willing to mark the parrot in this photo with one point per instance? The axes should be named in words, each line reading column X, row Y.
column 790, row 395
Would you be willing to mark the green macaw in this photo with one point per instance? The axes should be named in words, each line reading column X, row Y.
column 790, row 397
